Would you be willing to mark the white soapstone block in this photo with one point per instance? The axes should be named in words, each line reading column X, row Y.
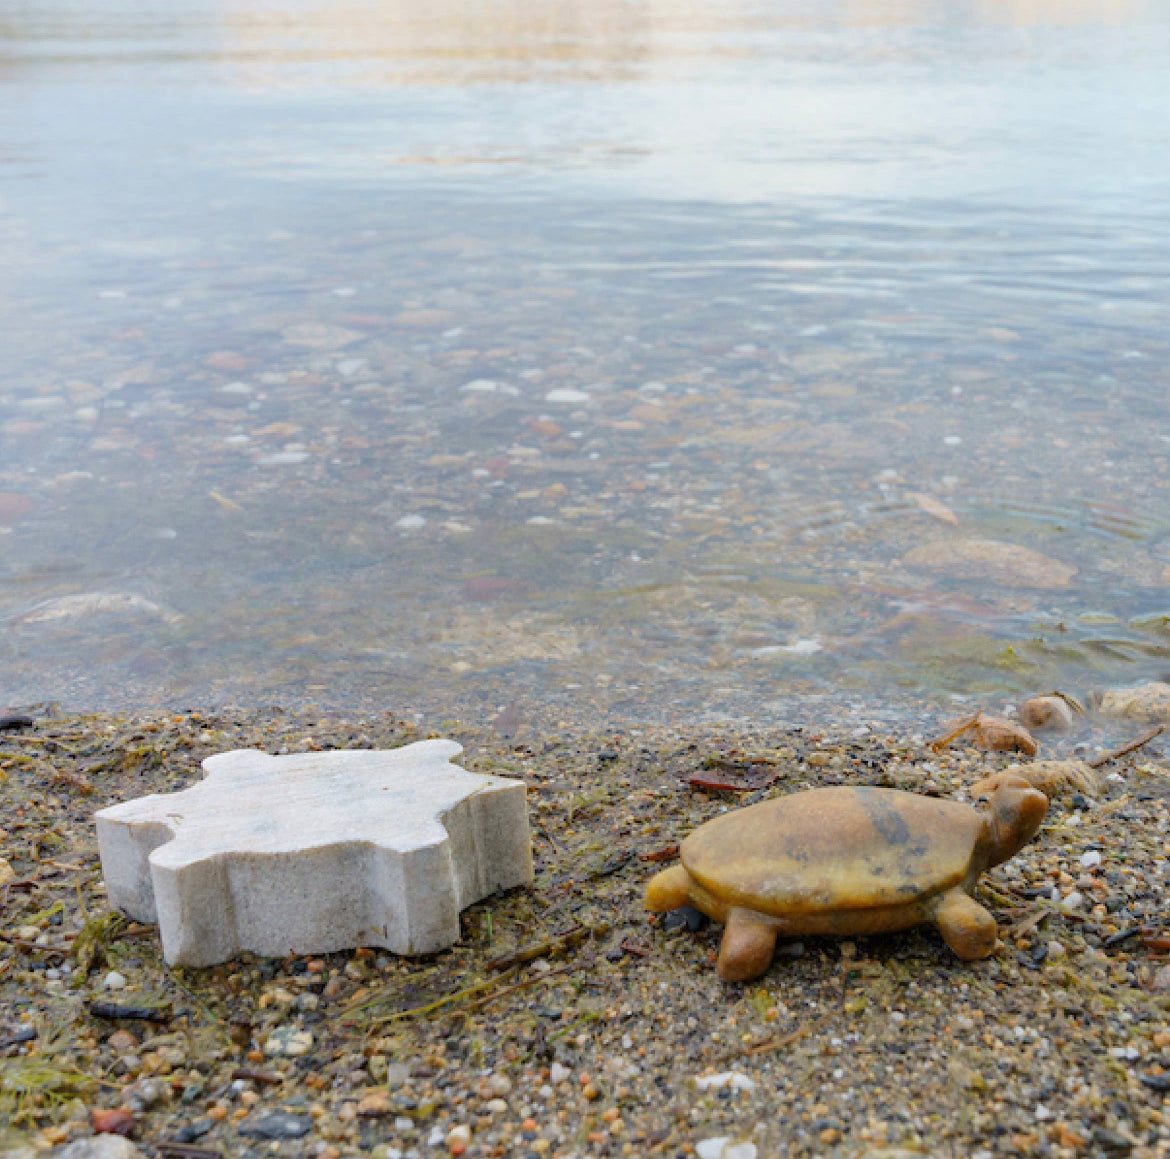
column 316, row 852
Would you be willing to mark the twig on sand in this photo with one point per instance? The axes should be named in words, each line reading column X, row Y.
column 960, row 726
column 427, row 1008
column 1028, row 922
column 1126, row 749
column 557, row 944
column 520, row 986
column 186, row 1151
column 779, row 1043
column 36, row 947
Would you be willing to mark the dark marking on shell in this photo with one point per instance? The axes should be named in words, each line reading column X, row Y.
column 886, row 819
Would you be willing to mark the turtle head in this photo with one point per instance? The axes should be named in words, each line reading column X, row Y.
column 1016, row 811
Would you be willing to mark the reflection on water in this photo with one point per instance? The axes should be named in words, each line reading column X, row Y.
column 643, row 358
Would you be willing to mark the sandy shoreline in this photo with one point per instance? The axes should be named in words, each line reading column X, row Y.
column 590, row 1045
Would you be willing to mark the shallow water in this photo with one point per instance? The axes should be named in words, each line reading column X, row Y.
column 636, row 360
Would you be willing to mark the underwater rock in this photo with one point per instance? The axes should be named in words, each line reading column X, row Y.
column 1002, row 563
column 1147, row 702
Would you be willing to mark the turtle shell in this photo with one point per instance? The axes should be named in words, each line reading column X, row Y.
column 829, row 849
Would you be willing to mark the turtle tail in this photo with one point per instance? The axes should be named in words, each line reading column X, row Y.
column 668, row 890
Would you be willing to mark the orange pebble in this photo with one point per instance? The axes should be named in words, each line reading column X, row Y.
column 528, row 1125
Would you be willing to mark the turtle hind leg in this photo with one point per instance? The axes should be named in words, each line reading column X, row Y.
column 746, row 949
column 670, row 889
column 965, row 925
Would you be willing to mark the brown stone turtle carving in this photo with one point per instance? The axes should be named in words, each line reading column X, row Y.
column 848, row 861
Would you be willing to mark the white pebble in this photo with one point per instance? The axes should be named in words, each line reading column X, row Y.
column 279, row 458
column 1073, row 902
column 496, row 1107
column 411, row 522
column 711, row 1148
column 115, row 981
column 558, row 1073
column 566, row 394
column 1042, row 1112
column 1056, row 950
column 435, row 1137
column 728, row 1078
column 459, row 1134
column 1091, row 859
column 403, row 1125
column 289, row 1042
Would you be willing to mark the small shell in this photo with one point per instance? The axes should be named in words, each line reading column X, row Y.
column 1002, row 736
column 1050, row 777
column 1042, row 712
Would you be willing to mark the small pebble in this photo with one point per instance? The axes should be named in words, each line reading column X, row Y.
column 111, row 1121
column 276, row 1125
column 289, row 1042
column 557, row 1074
column 1091, row 859
column 114, row 981
column 1073, row 902
column 375, row 1103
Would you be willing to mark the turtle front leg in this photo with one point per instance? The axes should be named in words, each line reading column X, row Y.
column 965, row 925
column 746, row 949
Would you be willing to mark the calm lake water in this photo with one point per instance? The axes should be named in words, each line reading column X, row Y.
column 621, row 360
